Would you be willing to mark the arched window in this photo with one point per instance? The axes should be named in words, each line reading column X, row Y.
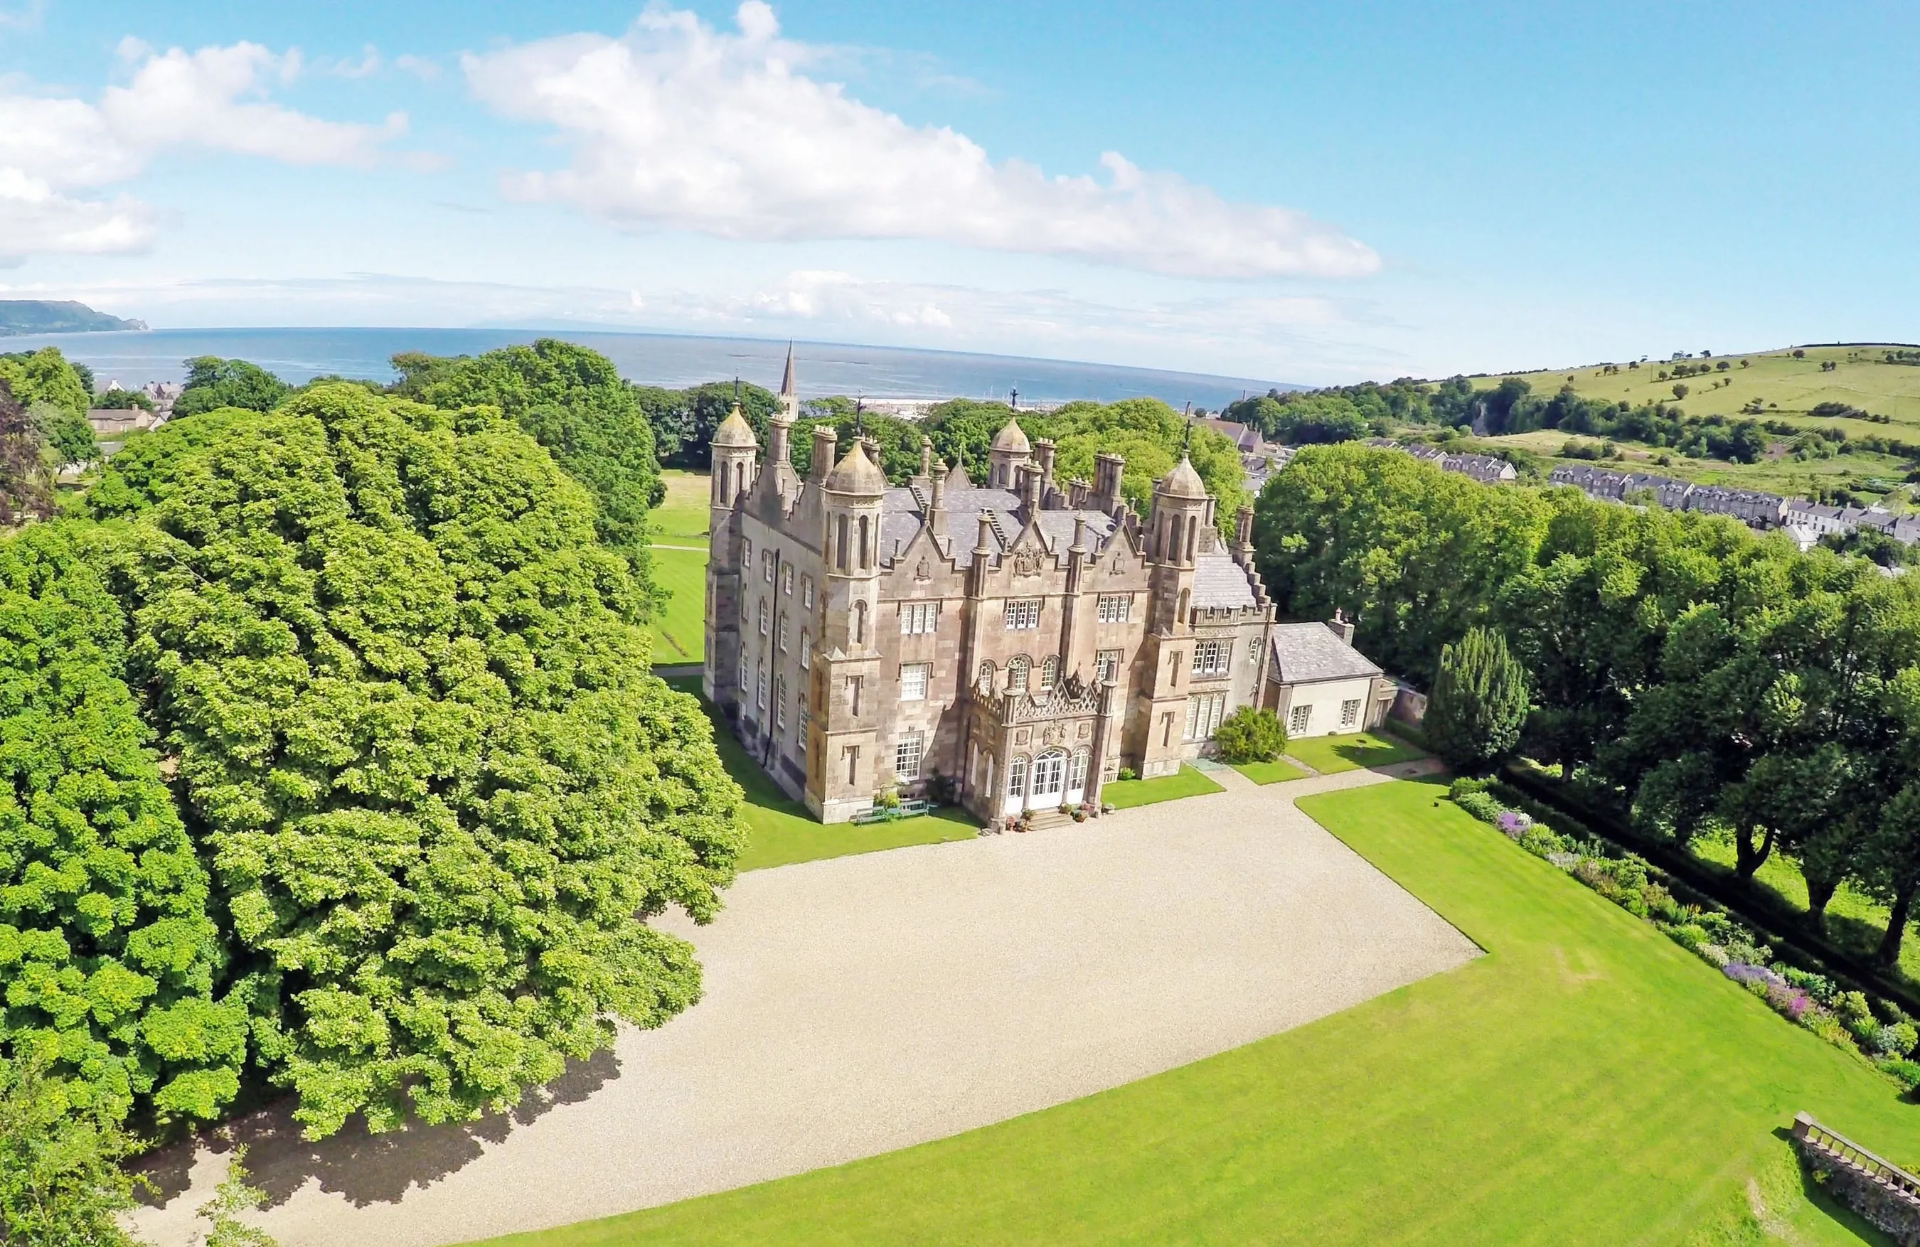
column 720, row 484
column 1193, row 535
column 840, row 544
column 1017, row 777
column 1049, row 671
column 866, row 547
column 859, row 623
column 1185, row 598
column 1017, row 674
column 1077, row 770
column 985, row 679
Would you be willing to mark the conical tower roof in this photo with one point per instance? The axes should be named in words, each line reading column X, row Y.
column 786, row 382
column 735, row 431
column 1012, row 437
column 1183, row 481
column 857, row 474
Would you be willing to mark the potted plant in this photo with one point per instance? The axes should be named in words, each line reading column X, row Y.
column 1065, row 808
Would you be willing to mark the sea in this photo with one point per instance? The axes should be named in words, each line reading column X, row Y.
column 671, row 360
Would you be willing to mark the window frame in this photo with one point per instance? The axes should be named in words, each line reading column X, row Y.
column 1350, row 711
column 911, row 743
column 915, row 675
column 1021, row 614
column 1106, row 664
column 1299, row 719
column 1114, row 608
column 1019, row 673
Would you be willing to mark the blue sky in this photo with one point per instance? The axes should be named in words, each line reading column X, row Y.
column 1304, row 192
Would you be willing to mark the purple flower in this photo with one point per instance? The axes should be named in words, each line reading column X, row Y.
column 1512, row 822
column 1741, row 972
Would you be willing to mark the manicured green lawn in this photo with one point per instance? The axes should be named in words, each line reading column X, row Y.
column 681, row 520
column 1123, row 794
column 1328, row 754
column 679, row 632
column 782, row 832
column 1585, row 1082
column 1269, row 772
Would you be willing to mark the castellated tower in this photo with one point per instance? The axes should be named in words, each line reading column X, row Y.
column 1181, row 509
column 847, row 688
column 735, row 465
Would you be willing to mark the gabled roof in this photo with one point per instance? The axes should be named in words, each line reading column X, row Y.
column 1220, row 582
column 1306, row 652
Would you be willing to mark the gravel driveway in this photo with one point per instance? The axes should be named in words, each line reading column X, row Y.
column 863, row 1004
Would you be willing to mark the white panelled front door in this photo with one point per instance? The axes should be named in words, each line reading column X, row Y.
column 1049, row 775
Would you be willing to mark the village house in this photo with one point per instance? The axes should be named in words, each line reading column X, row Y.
column 1009, row 645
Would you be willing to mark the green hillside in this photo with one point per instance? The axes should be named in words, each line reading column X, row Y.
column 1786, row 386
column 23, row 316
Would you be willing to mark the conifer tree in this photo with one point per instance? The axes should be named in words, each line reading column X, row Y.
column 1479, row 701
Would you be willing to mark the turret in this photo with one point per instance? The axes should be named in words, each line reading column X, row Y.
column 1107, row 470
column 1010, row 449
column 735, row 464
column 852, row 493
column 1180, row 505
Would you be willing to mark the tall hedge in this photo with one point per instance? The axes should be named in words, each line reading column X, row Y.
column 420, row 748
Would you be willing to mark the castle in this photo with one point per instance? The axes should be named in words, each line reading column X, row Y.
column 1010, row 645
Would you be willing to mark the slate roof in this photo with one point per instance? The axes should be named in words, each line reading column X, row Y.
column 1307, row 652
column 1219, row 582
column 900, row 519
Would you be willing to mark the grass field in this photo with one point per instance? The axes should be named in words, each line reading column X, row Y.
column 1330, row 754
column 1786, row 387
column 1269, row 772
column 783, row 832
column 1586, row 1082
column 1124, row 794
column 681, row 520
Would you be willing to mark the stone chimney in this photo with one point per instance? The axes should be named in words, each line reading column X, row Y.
column 824, row 439
column 1342, row 626
column 1043, row 453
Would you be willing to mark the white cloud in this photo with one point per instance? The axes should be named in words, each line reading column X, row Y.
column 681, row 126
column 214, row 98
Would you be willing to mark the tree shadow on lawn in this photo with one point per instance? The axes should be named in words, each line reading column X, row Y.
column 366, row 1168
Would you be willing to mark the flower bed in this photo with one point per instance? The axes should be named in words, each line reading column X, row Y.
column 1871, row 1028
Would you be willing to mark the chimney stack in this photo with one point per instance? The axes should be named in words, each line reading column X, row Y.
column 823, row 445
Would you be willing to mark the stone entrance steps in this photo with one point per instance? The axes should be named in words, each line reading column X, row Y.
column 1048, row 820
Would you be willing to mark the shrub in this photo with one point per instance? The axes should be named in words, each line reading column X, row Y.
column 1480, row 805
column 1126, row 773
column 1250, row 735
column 1907, row 1073
column 1690, row 935
column 1465, row 784
column 1896, row 1040
column 1856, row 1015
column 1541, row 841
column 1817, row 986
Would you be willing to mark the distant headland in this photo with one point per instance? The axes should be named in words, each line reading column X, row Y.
column 24, row 316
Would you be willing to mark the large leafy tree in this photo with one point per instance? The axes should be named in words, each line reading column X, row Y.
column 573, row 402
column 45, row 376
column 1479, row 701
column 417, row 737
column 61, row 1179
column 108, row 954
column 213, row 383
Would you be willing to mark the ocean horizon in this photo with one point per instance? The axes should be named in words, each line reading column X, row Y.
column 675, row 361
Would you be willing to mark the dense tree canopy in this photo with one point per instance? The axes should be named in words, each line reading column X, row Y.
column 418, row 741
column 684, row 420
column 1713, row 681
column 45, row 376
column 213, row 383
column 573, row 402
column 1479, row 701
column 107, row 950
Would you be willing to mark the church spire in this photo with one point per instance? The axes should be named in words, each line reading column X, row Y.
column 789, row 396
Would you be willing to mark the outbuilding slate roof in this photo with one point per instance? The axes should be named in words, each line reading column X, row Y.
column 1306, row 652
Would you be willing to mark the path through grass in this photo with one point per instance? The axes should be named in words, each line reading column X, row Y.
column 1586, row 1082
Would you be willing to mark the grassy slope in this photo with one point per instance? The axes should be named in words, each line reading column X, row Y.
column 1586, row 1082
column 681, row 520
column 783, row 832
column 1123, row 794
column 1328, row 754
column 1862, row 380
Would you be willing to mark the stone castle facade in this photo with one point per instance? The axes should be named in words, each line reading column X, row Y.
column 1008, row 645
